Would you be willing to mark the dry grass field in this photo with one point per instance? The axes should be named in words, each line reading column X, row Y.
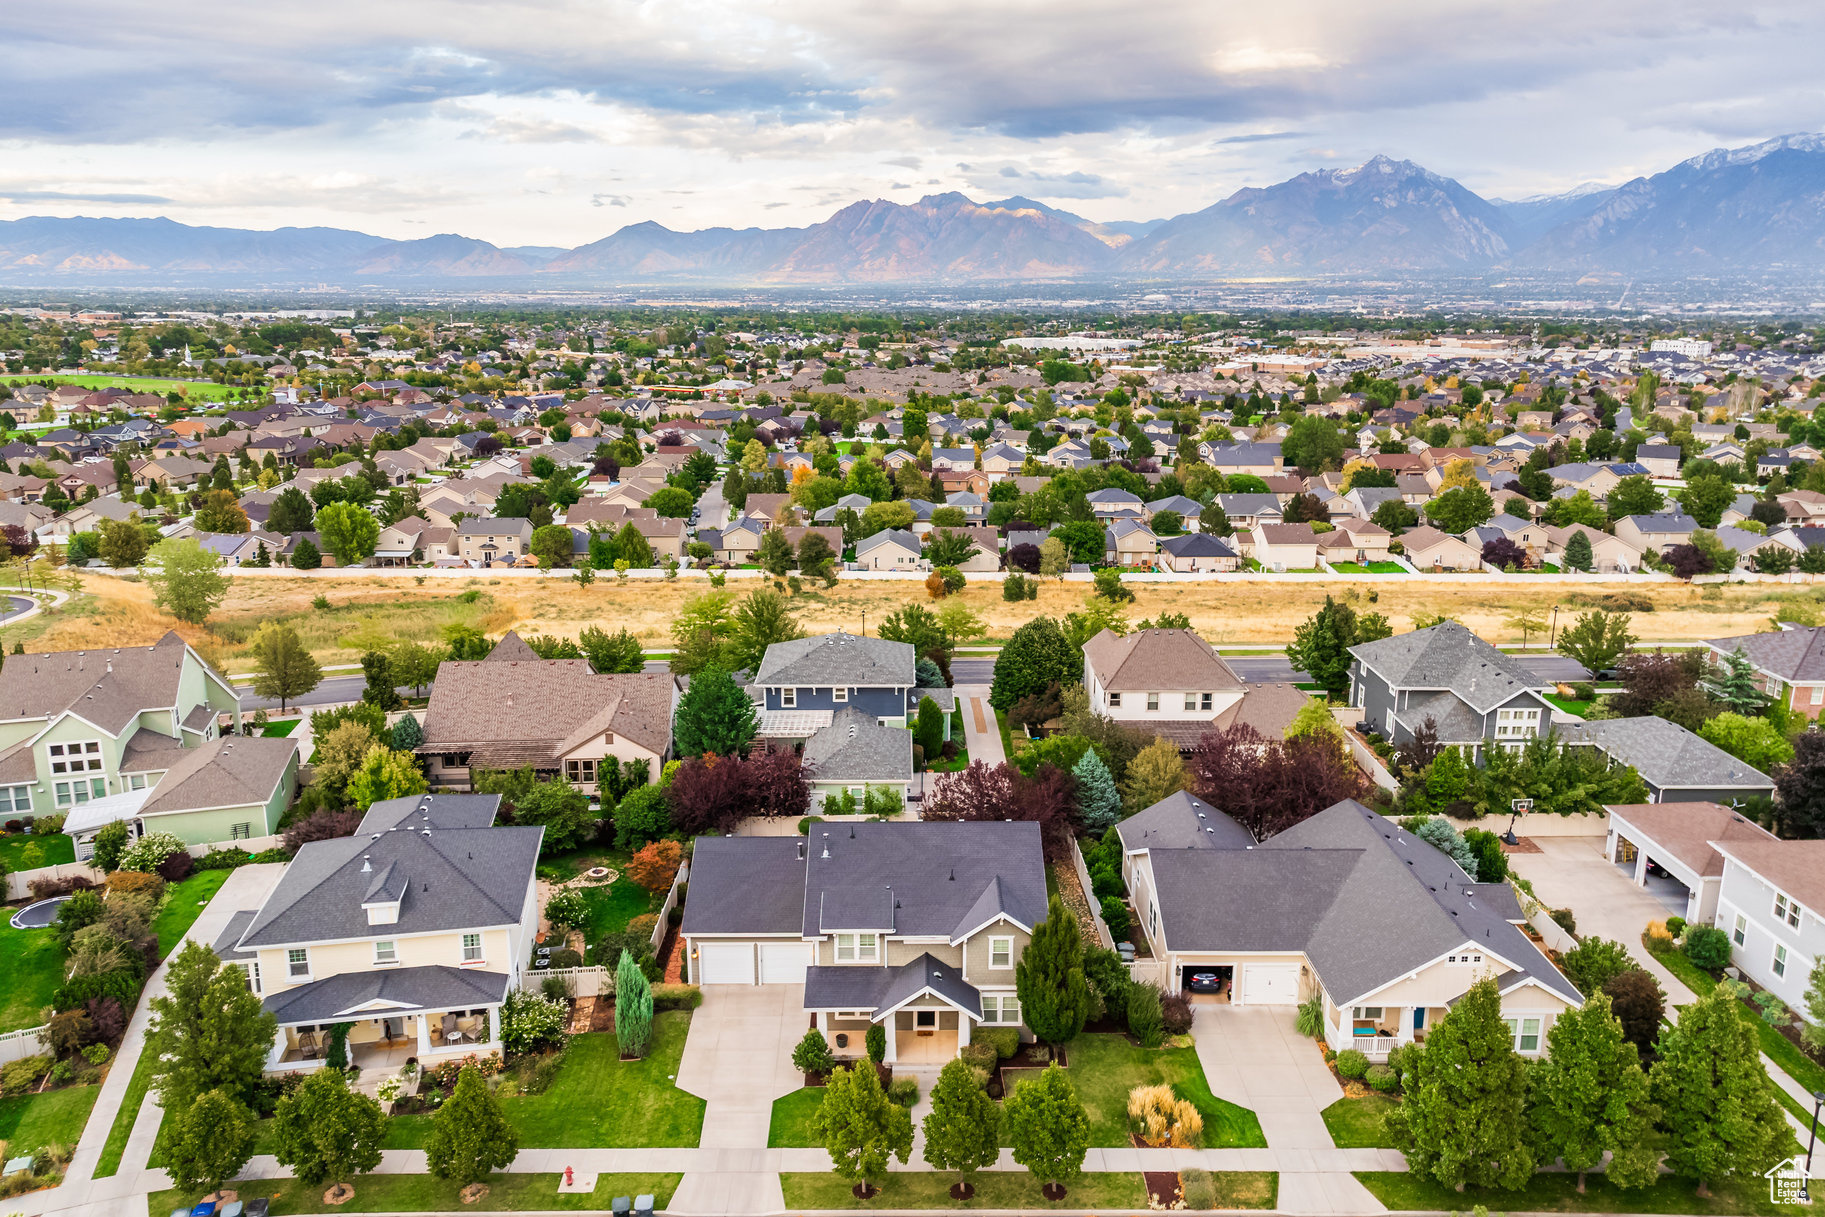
column 368, row 612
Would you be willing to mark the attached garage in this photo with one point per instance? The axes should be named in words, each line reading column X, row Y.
column 1270, row 984
column 725, row 963
column 784, row 963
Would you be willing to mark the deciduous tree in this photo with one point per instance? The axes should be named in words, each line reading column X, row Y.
column 470, row 1135
column 350, row 532
column 859, row 1126
column 208, row 1031
column 617, row 652
column 385, row 774
column 186, row 579
column 1035, row 656
column 1590, row 1098
column 206, row 1143
column 1597, row 640
column 1717, row 1105
column 1047, row 1126
column 326, row 1132
column 1321, row 644
column 287, row 669
column 963, row 1128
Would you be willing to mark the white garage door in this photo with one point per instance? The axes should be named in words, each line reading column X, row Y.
column 725, row 963
column 784, row 963
column 1270, row 984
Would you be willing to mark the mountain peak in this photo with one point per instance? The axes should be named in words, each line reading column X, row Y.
column 1718, row 158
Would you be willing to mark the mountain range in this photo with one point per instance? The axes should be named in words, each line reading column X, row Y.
column 1751, row 210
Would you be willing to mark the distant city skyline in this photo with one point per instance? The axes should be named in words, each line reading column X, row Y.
column 555, row 124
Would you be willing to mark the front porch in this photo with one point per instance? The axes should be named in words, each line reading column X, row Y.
column 388, row 1042
column 1375, row 1031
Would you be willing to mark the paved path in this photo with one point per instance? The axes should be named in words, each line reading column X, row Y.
column 1252, row 1056
column 981, row 733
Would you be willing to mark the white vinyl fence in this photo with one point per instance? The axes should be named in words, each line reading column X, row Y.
column 17, row 1045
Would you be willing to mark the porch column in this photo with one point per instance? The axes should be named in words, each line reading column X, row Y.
column 1641, row 867
column 823, row 1023
column 276, row 1053
column 494, row 1024
column 963, row 1030
column 424, row 1039
column 893, row 1036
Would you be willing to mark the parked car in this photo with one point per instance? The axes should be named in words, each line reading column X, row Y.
column 1204, row 981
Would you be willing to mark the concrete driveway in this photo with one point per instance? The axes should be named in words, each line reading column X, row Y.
column 738, row 1056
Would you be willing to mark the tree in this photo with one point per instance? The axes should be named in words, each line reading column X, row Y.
column 1800, row 783
column 1813, row 1032
column 1267, row 785
column 1462, row 1120
column 1578, row 555
column 1504, row 554
column 123, row 543
column 1717, row 1105
column 560, row 808
column 111, row 840
column 1099, row 803
column 1395, row 515
column 1755, row 741
column 634, row 549
column 1594, row 962
column 1735, row 684
column 1527, row 620
column 1639, row 1005
column 654, row 866
column 414, row 664
column 763, row 618
column 774, row 554
column 1313, row 444
column 208, row 1031
column 380, row 688
column 186, row 579
column 1597, row 640
column 1689, row 561
column 1054, row 997
column 714, row 716
column 305, row 555
column 552, row 545
column 1321, row 644
column 206, row 1143
column 1634, row 496
column 385, row 774
column 470, row 1135
column 710, row 794
column 1047, row 1127
column 928, row 731
column 1002, row 792
column 326, row 1132
column 291, row 511
column 1156, row 772
column 1035, row 656
column 946, row 548
column 287, row 669
column 1705, row 497
column 1461, row 509
column 1590, row 1098
column 617, row 652
column 350, row 531
column 860, row 1126
column 1054, row 558
column 633, row 1005
column 963, row 1128
column 816, row 558
column 672, row 501
column 218, row 512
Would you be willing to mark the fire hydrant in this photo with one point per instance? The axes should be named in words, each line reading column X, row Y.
column 569, row 1177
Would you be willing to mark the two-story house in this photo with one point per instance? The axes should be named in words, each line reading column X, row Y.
column 811, row 678
column 1473, row 696
column 917, row 927
column 1159, row 680
column 413, row 930
column 1383, row 928
column 1790, row 662
column 76, row 726
column 230, row 788
column 493, row 542
column 1772, row 904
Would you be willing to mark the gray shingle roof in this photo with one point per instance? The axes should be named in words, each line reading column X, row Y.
column 881, row 989
column 1665, row 754
column 856, row 748
column 838, row 659
column 228, row 771
column 1796, row 652
column 432, row 811
column 1447, row 656
column 939, row 872
column 746, row 885
column 1181, row 821
column 388, row 992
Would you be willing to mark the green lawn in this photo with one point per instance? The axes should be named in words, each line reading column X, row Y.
column 1558, row 1193
column 421, row 1193
column 611, row 905
column 116, row 1144
column 282, row 728
column 207, row 390
column 597, row 1099
column 1357, row 1123
column 1007, row 734
column 994, row 1190
column 31, row 969
column 1570, row 705
column 28, row 851
column 791, row 1126
column 56, row 1117
column 1104, row 1068
column 184, row 901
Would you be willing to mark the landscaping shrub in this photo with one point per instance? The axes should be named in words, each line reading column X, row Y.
column 1309, row 1021
column 1004, row 1040
column 812, row 1053
column 904, row 1091
column 1592, row 963
column 44, row 889
column 676, row 997
column 978, row 1054
column 1403, row 1060
column 321, row 825
column 1176, row 1013
column 1145, row 1020
column 644, row 925
column 19, row 1076
column 1116, row 914
column 1352, row 1064
column 146, row 853
column 1707, row 947
column 67, row 1033
column 1565, row 918
column 1161, row 1118
column 1676, row 926
column 1381, row 1079
column 1105, row 883
column 877, row 1042
column 1197, row 1188
column 48, row 826
column 127, row 880
column 176, row 866
column 1109, row 982
column 107, row 1019
column 567, row 910
column 531, row 1021
column 1491, row 862
column 564, row 957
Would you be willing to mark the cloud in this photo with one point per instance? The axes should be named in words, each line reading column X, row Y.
column 1263, row 137
column 1074, row 184
column 608, row 200
column 78, row 196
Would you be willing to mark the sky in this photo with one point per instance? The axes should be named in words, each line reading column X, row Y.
column 557, row 122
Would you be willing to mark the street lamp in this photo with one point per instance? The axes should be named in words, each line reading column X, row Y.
column 1555, row 628
column 1812, row 1137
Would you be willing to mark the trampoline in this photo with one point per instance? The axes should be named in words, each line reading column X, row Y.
column 37, row 915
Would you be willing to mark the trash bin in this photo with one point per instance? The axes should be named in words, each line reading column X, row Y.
column 643, row 1205
column 622, row 1206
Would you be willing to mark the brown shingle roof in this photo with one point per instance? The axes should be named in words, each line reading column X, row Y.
column 1157, row 660
column 106, row 687
column 1795, row 867
column 1686, row 830
column 539, row 709
column 229, row 771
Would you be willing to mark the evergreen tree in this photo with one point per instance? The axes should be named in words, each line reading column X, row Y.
column 714, row 715
column 1718, row 1106
column 860, row 1126
column 1462, row 1120
column 963, row 1128
column 1054, row 996
column 470, row 1136
column 1578, row 554
column 206, row 1143
column 326, row 1132
column 633, row 1007
column 208, row 1031
column 1736, row 685
column 929, row 731
column 1047, row 1126
column 1099, row 803
column 306, row 556
column 1590, row 1097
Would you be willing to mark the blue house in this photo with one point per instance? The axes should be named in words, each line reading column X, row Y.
column 823, row 674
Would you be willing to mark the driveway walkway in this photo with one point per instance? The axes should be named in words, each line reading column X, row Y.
column 1252, row 1056
column 981, row 733
column 738, row 1057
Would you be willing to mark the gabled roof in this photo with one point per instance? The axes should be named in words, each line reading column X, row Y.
column 1447, row 657
column 387, row 992
column 1793, row 652
column 1182, row 821
column 108, row 687
column 937, row 871
column 856, row 747
column 228, row 771
column 421, row 811
column 1665, row 754
column 1688, row 831
column 746, row 885
column 1157, row 660
column 838, row 659
column 521, row 712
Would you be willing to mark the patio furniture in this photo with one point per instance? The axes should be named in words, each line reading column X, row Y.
column 453, row 1037
column 623, row 1206
column 449, row 1023
column 307, row 1045
column 643, row 1205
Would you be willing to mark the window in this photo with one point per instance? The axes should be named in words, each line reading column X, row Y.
column 1001, row 952
column 1153, row 701
column 853, row 947
column 1191, row 701
column 1517, row 724
column 1115, row 701
column 1526, row 1032
column 15, row 798
column 925, row 1018
column 1467, row 957
column 1204, row 701
column 839, row 695
column 1818, row 694
column 298, row 963
column 1367, row 1014
column 1780, row 960
column 385, row 952
column 1740, row 935
column 1000, row 1008
column 788, row 698
column 135, row 782
column 75, row 794
column 1786, row 910
column 580, row 770
column 472, row 948
column 83, row 757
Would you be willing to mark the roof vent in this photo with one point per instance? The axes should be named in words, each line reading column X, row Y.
column 801, row 849
column 826, row 852
column 366, row 866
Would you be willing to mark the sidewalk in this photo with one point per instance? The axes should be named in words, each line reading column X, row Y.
column 981, row 734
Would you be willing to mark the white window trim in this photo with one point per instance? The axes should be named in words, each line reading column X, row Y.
column 463, row 946
column 390, row 955
column 840, row 694
column 292, row 965
column 65, row 792
column 788, row 699
column 1517, row 1026
column 867, row 948
column 1779, row 959
column 996, row 943
column 87, row 751
column 1115, row 700
column 1153, row 703
column 1739, row 933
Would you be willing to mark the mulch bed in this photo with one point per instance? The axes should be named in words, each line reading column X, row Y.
column 1162, row 1188
column 882, row 1071
column 670, row 957
column 1072, row 893
column 1526, row 846
column 603, row 1017
column 1025, row 1061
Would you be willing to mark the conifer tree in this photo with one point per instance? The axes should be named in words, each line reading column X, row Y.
column 1054, row 996
column 1099, row 803
column 633, row 1007
column 1578, row 554
column 1590, row 1097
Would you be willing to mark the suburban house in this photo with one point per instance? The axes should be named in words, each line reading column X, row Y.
column 1427, row 548
column 1285, row 546
column 230, row 788
column 1355, row 540
column 1384, row 929
column 556, row 715
column 804, row 682
column 857, row 753
column 1657, row 532
column 1772, row 904
column 1473, row 695
column 413, row 931
column 1790, row 661
column 917, row 927
column 1172, row 684
column 1197, row 552
column 81, row 725
column 493, row 542
column 890, row 549
column 1609, row 554
column 1679, row 841
column 1678, row 766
